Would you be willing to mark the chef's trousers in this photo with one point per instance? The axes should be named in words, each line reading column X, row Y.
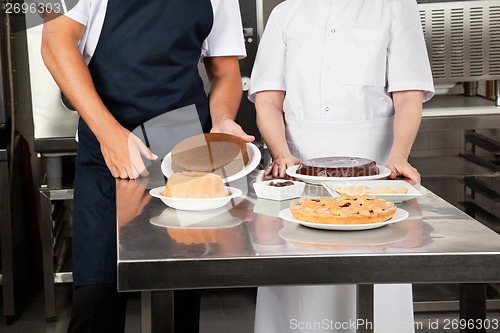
column 97, row 305
column 101, row 309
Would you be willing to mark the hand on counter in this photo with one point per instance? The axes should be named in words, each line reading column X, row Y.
column 122, row 153
column 131, row 198
column 400, row 168
column 279, row 165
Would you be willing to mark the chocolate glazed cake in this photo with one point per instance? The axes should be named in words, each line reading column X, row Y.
column 338, row 167
column 218, row 153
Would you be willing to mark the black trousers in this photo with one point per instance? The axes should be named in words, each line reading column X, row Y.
column 101, row 309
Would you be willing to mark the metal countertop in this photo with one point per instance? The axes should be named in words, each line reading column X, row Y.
column 437, row 243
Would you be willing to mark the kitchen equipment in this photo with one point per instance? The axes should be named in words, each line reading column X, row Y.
column 463, row 41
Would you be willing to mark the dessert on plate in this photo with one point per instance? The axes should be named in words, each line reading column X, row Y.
column 360, row 189
column 218, row 153
column 338, row 166
column 345, row 209
column 195, row 185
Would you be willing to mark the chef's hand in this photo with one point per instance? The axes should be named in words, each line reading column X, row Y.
column 401, row 168
column 229, row 126
column 122, row 153
column 279, row 165
column 131, row 198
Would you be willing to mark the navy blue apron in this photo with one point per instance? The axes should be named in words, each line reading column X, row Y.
column 145, row 65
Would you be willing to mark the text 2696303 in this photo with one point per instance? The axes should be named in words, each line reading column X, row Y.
column 33, row 8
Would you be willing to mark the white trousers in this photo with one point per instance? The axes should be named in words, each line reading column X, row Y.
column 332, row 308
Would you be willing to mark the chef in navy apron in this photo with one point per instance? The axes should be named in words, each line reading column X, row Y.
column 339, row 78
column 121, row 64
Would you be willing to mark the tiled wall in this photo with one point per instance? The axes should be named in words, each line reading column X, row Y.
column 440, row 143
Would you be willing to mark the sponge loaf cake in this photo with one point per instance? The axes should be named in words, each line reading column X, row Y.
column 195, row 185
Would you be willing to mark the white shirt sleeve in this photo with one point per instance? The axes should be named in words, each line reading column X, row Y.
column 226, row 37
column 269, row 68
column 80, row 12
column 408, row 65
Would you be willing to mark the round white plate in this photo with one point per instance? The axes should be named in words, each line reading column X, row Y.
column 195, row 204
column 178, row 219
column 400, row 215
column 292, row 172
column 300, row 234
column 253, row 154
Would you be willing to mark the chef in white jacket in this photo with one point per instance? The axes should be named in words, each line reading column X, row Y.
column 339, row 78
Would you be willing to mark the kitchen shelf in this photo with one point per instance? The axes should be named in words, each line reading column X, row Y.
column 449, row 167
column 459, row 112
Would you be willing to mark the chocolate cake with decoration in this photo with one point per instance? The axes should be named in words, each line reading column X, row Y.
column 218, row 153
column 340, row 166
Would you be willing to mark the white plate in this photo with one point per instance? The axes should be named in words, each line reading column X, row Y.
column 253, row 154
column 178, row 219
column 300, row 234
column 292, row 172
column 195, row 204
column 400, row 215
column 394, row 197
column 264, row 191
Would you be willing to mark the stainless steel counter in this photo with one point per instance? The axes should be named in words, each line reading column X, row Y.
column 253, row 247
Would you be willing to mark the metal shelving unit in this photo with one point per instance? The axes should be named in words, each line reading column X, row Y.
column 55, row 223
column 458, row 180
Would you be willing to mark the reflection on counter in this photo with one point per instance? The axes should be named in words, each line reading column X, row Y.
column 298, row 235
column 218, row 218
column 217, row 240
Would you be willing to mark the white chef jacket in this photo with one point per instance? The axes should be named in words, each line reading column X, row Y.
column 339, row 61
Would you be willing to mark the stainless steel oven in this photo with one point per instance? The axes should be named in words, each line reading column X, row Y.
column 463, row 41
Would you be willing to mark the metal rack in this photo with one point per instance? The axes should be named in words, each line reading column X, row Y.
column 55, row 226
column 451, row 176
